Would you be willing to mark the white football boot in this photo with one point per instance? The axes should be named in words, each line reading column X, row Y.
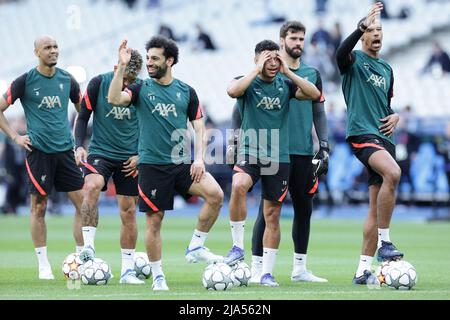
column 202, row 254
column 159, row 284
column 45, row 273
column 306, row 276
column 129, row 277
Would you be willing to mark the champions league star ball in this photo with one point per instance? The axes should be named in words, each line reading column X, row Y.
column 241, row 274
column 382, row 271
column 96, row 272
column 401, row 275
column 217, row 276
column 142, row 265
column 71, row 267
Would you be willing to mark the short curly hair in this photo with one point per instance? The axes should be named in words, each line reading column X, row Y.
column 268, row 45
column 169, row 46
column 135, row 65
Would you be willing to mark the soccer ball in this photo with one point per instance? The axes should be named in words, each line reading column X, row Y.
column 217, row 276
column 98, row 260
column 142, row 265
column 71, row 266
column 96, row 272
column 382, row 271
column 241, row 274
column 401, row 275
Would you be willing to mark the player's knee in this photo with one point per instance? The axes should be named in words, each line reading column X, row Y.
column 397, row 174
column 272, row 216
column 240, row 187
column 215, row 198
column 128, row 215
column 393, row 176
column 92, row 188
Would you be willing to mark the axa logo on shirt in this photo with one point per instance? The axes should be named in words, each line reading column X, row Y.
column 120, row 113
column 165, row 109
column 50, row 102
column 377, row 81
column 268, row 103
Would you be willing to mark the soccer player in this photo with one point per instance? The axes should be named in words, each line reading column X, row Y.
column 164, row 105
column 45, row 92
column 263, row 98
column 303, row 179
column 112, row 153
column 368, row 88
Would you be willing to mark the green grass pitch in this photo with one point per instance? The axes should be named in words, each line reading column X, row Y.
column 333, row 253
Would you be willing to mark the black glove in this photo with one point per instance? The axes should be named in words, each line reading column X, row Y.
column 320, row 161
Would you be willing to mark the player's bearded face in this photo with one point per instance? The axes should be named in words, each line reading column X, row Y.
column 156, row 63
column 294, row 44
column 157, row 70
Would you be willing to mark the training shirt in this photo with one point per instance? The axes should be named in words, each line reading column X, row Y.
column 264, row 107
column 163, row 112
column 45, row 102
column 115, row 130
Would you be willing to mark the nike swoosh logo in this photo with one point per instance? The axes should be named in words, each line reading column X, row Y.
column 299, row 259
column 128, row 254
column 198, row 236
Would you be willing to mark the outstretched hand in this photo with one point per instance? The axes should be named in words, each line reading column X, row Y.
column 375, row 10
column 124, row 53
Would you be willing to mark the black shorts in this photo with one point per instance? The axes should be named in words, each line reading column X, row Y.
column 158, row 185
column 364, row 146
column 48, row 170
column 301, row 177
column 107, row 168
column 274, row 185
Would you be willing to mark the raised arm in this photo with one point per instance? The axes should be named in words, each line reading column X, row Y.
column 238, row 86
column 115, row 94
column 305, row 89
column 344, row 56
